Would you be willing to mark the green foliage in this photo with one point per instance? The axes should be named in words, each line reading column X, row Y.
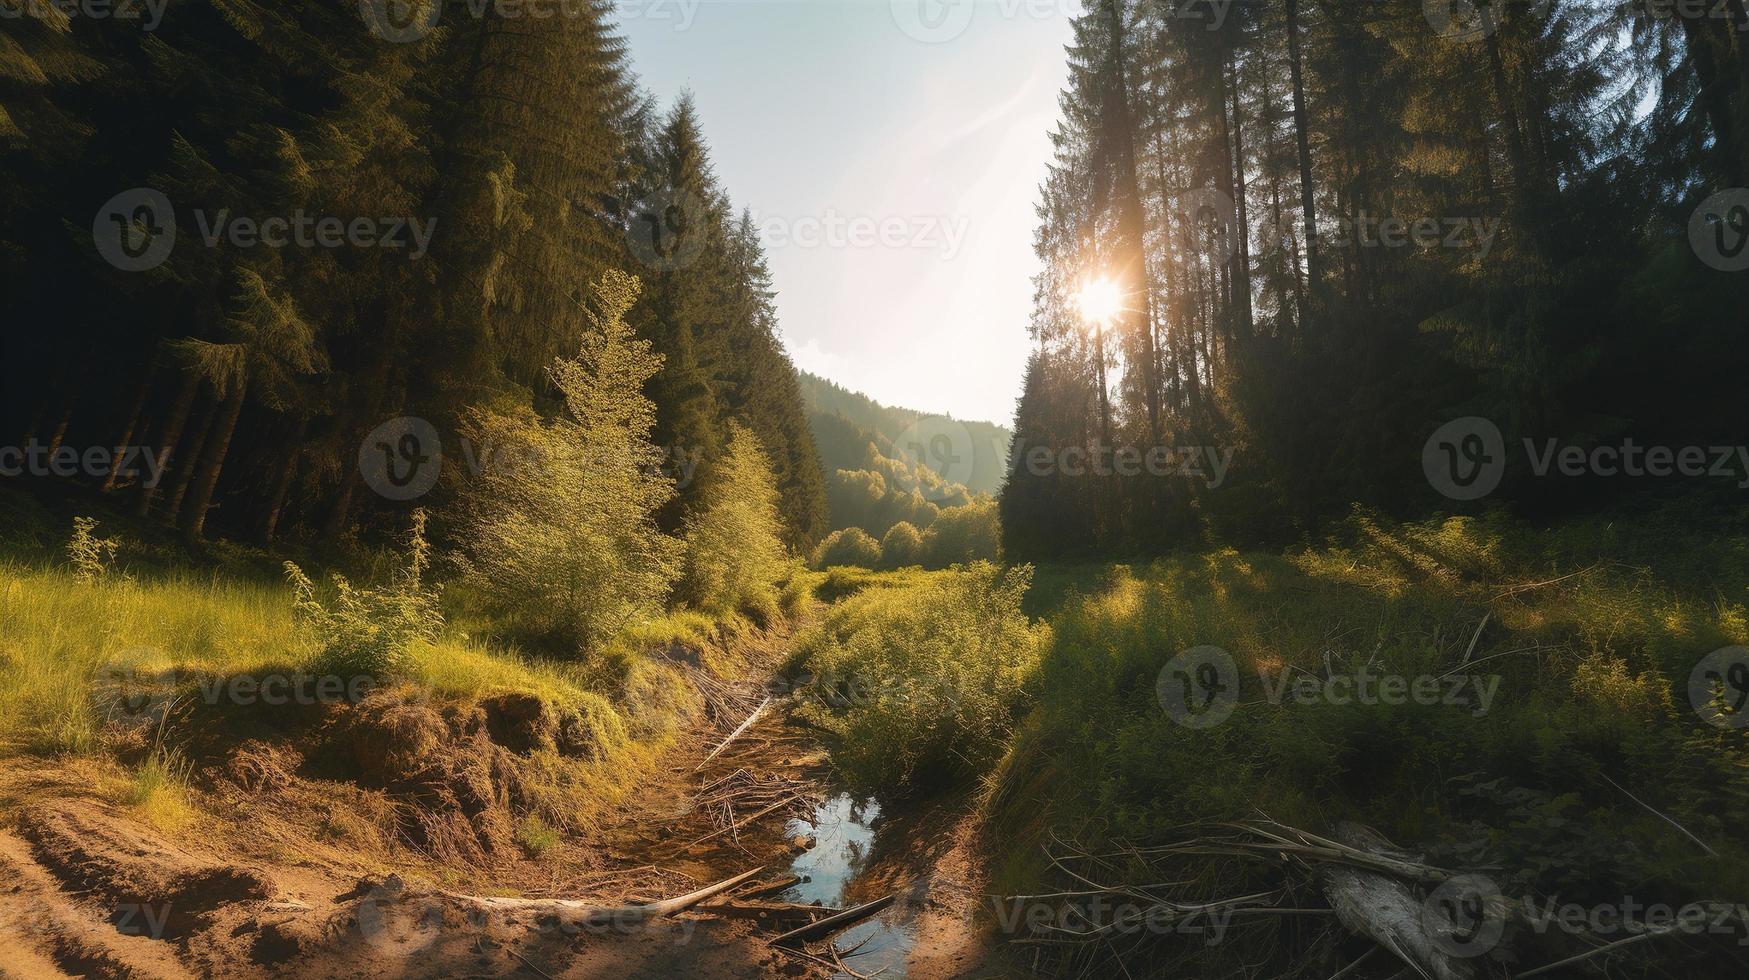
column 536, row 836
column 902, row 545
column 922, row 678
column 846, row 421
column 91, row 556
column 566, row 548
column 371, row 631
column 734, row 552
column 1591, row 648
column 850, row 546
column 964, row 534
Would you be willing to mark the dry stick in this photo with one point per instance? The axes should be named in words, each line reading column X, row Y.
column 634, row 913
column 734, row 734
column 832, row 923
column 1710, row 852
column 531, row 966
column 744, row 821
column 1642, row 937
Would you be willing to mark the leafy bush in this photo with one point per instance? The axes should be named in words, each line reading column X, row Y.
column 963, row 534
column 564, row 545
column 371, row 632
column 922, row 680
column 734, row 545
column 850, row 546
column 902, row 545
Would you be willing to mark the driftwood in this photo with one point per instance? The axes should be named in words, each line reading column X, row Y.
column 589, row 914
column 832, row 923
column 770, row 888
column 734, row 734
column 1384, row 908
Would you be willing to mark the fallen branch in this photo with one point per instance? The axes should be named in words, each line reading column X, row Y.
column 744, row 821
column 734, row 734
column 832, row 923
column 595, row 914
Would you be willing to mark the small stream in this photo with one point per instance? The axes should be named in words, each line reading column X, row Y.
column 844, row 833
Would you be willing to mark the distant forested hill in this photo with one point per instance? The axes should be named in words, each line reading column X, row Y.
column 971, row 453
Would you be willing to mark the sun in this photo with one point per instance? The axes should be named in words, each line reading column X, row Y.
column 1100, row 300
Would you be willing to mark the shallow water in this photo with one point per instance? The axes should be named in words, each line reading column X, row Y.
column 844, row 834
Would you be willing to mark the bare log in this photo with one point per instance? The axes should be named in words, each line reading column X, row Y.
column 832, row 923
column 1385, row 908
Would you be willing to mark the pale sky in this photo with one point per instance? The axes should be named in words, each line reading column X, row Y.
column 891, row 151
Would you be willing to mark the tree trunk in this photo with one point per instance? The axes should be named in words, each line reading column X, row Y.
column 191, row 462
column 212, row 460
column 1242, row 257
column 172, row 435
column 1304, row 140
column 127, row 432
column 288, row 469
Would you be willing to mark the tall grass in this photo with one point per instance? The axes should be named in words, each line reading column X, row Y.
column 1591, row 631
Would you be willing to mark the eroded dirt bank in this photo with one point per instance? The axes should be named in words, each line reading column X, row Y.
column 410, row 867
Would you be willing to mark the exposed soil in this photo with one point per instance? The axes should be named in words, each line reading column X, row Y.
column 395, row 870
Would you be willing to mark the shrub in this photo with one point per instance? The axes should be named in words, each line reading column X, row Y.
column 963, row 534
column 734, row 548
column 922, row 680
column 850, row 546
column 567, row 549
column 902, row 545
column 371, row 631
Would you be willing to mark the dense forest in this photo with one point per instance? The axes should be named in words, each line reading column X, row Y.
column 483, row 175
column 1326, row 229
column 420, row 557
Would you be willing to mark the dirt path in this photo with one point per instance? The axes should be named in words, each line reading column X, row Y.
column 255, row 889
